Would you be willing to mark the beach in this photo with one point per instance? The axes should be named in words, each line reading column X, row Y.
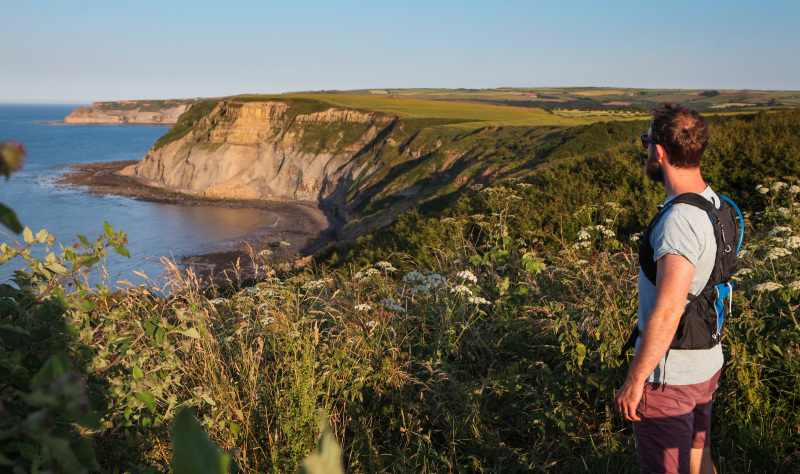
column 304, row 226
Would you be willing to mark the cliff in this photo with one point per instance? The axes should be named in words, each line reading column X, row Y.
column 364, row 166
column 149, row 112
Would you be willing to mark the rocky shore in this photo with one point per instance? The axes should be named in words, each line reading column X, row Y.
column 306, row 227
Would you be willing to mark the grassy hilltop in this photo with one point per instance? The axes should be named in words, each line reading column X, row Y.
column 478, row 332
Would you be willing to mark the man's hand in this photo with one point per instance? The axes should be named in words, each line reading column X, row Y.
column 628, row 398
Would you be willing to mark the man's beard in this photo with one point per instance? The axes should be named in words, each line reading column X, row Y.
column 654, row 171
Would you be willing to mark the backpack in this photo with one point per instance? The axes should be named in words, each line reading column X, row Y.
column 703, row 320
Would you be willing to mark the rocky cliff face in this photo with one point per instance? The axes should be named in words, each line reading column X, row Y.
column 262, row 150
column 129, row 112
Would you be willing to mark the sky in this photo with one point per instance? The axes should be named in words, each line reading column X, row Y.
column 66, row 51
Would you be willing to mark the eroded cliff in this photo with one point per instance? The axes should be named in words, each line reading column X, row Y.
column 156, row 112
column 365, row 167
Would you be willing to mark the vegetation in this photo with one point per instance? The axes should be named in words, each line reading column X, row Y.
column 480, row 336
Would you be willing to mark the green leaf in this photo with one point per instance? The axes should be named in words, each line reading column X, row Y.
column 9, row 219
column 84, row 452
column 41, row 236
column 327, row 459
column 108, row 229
column 51, row 370
column 84, row 240
column 191, row 332
column 27, row 235
column 148, row 399
column 192, row 451
column 122, row 251
column 4, row 461
column 137, row 372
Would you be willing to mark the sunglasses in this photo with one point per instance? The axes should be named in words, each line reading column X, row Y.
column 646, row 141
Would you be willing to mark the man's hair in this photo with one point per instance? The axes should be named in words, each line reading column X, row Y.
column 682, row 132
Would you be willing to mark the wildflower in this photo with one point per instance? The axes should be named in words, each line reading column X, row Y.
column 582, row 245
column 424, row 288
column 525, row 185
column 635, row 237
column 741, row 272
column 217, row 301
column 777, row 185
column 583, row 235
column 792, row 242
column 795, row 285
column 383, row 265
column 609, row 221
column 794, row 189
column 447, row 220
column 461, row 289
column 362, row 307
column 267, row 320
column 467, row 275
column 762, row 189
column 251, row 289
column 372, row 272
column 265, row 253
column 779, row 230
column 316, row 284
column 609, row 233
column 293, row 334
column 776, row 253
column 478, row 300
column 387, row 301
column 784, row 212
column 436, row 280
column 768, row 286
column 372, row 324
column 742, row 253
column 413, row 276
column 477, row 217
column 358, row 276
column 488, row 190
column 283, row 243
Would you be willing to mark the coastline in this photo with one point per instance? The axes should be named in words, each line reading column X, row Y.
column 305, row 226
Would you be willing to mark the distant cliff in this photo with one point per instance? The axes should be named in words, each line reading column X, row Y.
column 163, row 112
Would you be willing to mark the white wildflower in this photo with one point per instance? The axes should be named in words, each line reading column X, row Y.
column 583, row 235
column 779, row 230
column 795, row 285
column 582, row 245
column 488, row 190
column 217, row 301
column 436, row 280
column 265, row 253
column 387, row 301
column 447, row 220
column 777, row 185
column 316, row 284
column 477, row 217
column 792, row 242
column 741, row 272
column 609, row 221
column 525, row 185
column 283, row 243
column 372, row 272
column 424, row 288
column 385, row 266
column 467, row 275
column 266, row 321
column 762, row 189
column 599, row 228
column 794, row 189
column 372, row 324
column 478, row 300
column 609, row 233
column 635, row 237
column 362, row 307
column 293, row 334
column 413, row 276
column 776, row 253
column 251, row 289
column 768, row 286
column 784, row 212
column 358, row 276
column 742, row 253
column 461, row 289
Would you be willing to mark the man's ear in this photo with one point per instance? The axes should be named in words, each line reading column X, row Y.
column 661, row 153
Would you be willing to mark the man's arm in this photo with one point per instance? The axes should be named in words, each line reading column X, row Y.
column 674, row 278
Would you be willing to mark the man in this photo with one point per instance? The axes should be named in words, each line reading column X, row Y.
column 667, row 393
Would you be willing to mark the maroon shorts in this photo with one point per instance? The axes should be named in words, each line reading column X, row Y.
column 675, row 419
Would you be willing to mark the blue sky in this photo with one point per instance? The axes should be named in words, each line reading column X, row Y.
column 63, row 51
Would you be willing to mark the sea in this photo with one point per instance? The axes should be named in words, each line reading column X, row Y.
column 154, row 230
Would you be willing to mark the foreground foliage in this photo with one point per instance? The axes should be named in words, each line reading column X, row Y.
column 485, row 339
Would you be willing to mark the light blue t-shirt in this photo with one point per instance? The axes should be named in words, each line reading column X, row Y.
column 683, row 230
